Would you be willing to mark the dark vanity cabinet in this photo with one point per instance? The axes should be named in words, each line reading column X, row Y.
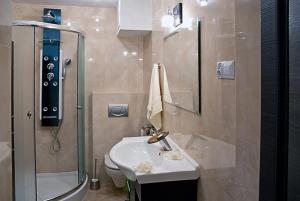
column 165, row 191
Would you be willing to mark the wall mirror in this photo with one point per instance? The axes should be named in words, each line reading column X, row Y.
column 182, row 60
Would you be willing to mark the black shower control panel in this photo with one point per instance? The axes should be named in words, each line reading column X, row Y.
column 51, row 82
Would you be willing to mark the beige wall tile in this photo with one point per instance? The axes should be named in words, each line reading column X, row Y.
column 5, row 89
column 67, row 133
column 107, row 69
column 109, row 131
column 5, row 102
column 230, row 108
column 6, row 171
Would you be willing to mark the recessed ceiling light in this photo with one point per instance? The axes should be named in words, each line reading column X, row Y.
column 203, row 2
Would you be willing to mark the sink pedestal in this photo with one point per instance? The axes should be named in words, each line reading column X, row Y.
column 167, row 191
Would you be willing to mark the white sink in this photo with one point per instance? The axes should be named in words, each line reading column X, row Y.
column 132, row 151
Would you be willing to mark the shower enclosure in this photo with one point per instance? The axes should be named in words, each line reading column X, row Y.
column 48, row 160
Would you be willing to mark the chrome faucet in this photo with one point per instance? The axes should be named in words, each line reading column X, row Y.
column 148, row 130
column 160, row 136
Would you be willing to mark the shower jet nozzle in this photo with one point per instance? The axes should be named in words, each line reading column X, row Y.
column 68, row 61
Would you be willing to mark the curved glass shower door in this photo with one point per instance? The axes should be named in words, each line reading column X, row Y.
column 49, row 160
column 56, row 146
column 23, row 104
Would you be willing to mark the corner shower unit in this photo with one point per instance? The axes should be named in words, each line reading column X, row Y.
column 48, row 155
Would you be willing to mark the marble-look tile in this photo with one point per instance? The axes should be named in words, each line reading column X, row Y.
column 5, row 102
column 230, row 108
column 6, row 172
column 218, row 43
column 5, row 89
column 106, row 69
column 108, row 131
column 107, row 192
column 5, row 13
column 67, row 133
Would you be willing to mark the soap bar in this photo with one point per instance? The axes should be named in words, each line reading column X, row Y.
column 144, row 167
column 174, row 155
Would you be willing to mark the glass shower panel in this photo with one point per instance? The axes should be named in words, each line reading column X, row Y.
column 57, row 147
column 5, row 108
column 49, row 160
column 24, row 132
column 81, row 109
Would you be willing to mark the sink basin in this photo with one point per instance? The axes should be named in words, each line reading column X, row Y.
column 130, row 152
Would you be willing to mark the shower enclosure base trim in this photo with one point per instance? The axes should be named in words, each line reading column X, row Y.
column 77, row 194
column 59, row 183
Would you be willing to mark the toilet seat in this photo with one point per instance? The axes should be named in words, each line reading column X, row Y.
column 109, row 164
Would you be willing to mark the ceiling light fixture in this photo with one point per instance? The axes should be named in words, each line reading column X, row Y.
column 203, row 2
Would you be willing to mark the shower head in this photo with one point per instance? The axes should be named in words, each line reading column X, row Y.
column 68, row 61
column 49, row 17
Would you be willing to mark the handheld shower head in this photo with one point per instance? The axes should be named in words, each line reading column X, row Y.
column 68, row 61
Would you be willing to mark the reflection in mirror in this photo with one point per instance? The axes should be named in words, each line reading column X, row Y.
column 182, row 59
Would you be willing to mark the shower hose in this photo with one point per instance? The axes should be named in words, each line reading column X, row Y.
column 55, row 144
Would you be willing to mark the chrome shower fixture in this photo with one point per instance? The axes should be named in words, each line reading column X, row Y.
column 49, row 16
column 51, row 84
column 68, row 61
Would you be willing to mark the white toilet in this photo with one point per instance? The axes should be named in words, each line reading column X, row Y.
column 114, row 172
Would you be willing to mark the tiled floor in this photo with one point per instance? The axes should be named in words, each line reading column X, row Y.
column 106, row 193
column 59, row 183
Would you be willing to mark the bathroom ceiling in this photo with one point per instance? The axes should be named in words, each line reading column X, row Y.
column 98, row 3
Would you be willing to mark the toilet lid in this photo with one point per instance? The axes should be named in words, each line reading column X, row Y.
column 109, row 163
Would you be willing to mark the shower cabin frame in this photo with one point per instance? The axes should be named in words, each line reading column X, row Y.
column 29, row 174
